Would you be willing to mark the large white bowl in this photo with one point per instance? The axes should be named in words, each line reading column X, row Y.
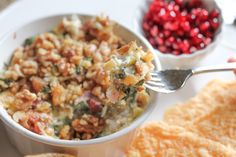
column 183, row 60
column 28, row 142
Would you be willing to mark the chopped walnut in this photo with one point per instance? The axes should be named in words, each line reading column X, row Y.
column 66, row 133
column 29, row 67
column 88, row 126
column 37, row 84
column 24, row 99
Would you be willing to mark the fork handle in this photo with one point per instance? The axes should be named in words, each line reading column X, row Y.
column 215, row 68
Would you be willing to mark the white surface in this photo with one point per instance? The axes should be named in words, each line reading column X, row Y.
column 122, row 11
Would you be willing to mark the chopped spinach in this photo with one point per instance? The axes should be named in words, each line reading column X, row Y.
column 140, row 83
column 57, row 129
column 88, row 58
column 120, row 74
column 6, row 81
column 66, row 121
column 29, row 41
column 78, row 69
column 46, row 90
column 130, row 93
column 81, row 106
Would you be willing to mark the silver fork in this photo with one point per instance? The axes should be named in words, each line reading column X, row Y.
column 168, row 81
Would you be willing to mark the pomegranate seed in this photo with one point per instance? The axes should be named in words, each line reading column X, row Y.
column 204, row 26
column 179, row 26
column 214, row 23
column 203, row 15
column 159, row 41
column 162, row 48
column 194, row 32
column 154, row 31
column 208, row 34
column 175, row 46
column 198, row 39
column 207, row 41
column 202, row 45
column 214, row 13
column 192, row 49
column 180, row 33
column 152, row 41
column 179, row 2
column 175, row 52
column 146, row 27
column 166, row 33
column 185, row 26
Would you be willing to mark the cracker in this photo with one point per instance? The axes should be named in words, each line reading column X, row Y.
column 218, row 125
column 214, row 94
column 162, row 140
column 211, row 114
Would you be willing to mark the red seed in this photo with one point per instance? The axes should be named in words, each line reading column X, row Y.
column 207, row 41
column 146, row 27
column 214, row 23
column 185, row 26
column 214, row 13
column 204, row 26
column 192, row 49
column 166, row 33
column 154, row 31
column 194, row 32
column 162, row 48
column 175, row 52
column 159, row 41
column 203, row 15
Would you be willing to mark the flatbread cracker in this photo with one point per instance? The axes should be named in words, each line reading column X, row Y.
column 211, row 114
column 158, row 139
column 218, row 125
column 214, row 94
column 50, row 155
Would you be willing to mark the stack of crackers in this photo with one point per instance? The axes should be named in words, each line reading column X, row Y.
column 204, row 126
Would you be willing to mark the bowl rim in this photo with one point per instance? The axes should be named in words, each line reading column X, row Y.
column 5, row 117
column 217, row 37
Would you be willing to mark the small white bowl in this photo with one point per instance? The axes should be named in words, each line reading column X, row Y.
column 28, row 142
column 184, row 60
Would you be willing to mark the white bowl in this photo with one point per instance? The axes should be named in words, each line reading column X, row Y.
column 183, row 60
column 28, row 142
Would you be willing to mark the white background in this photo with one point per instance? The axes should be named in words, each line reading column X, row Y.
column 122, row 11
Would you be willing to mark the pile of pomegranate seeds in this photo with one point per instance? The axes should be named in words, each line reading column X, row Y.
column 179, row 28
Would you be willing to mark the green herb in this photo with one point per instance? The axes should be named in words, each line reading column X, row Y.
column 6, row 81
column 81, row 106
column 57, row 129
column 140, row 83
column 65, row 34
column 46, row 90
column 66, row 121
column 29, row 41
column 78, row 69
column 88, row 58
column 120, row 74
column 54, row 69
column 130, row 94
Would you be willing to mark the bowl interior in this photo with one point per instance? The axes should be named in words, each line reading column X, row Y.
column 16, row 38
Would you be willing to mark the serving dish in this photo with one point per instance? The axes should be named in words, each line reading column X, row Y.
column 183, row 60
column 111, row 145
